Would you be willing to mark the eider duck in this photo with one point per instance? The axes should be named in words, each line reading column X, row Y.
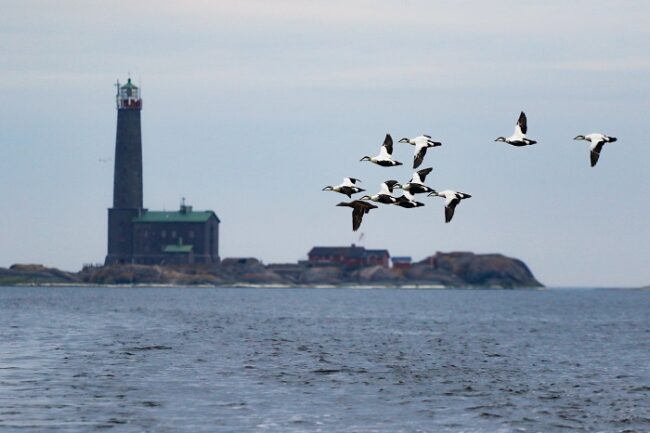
column 597, row 142
column 359, row 209
column 348, row 187
column 416, row 184
column 452, row 200
column 421, row 143
column 519, row 137
column 385, row 157
column 384, row 195
column 407, row 201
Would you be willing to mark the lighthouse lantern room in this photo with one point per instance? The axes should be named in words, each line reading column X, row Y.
column 128, row 96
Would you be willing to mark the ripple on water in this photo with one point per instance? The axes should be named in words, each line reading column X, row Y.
column 83, row 359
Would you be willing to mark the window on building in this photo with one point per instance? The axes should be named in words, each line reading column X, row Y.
column 191, row 234
column 174, row 234
column 163, row 234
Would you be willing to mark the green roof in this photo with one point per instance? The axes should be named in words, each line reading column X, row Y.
column 174, row 217
column 177, row 248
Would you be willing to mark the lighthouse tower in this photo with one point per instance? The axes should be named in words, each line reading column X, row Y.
column 127, row 184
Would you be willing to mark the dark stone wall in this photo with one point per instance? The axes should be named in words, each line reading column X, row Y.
column 127, row 186
column 127, row 181
column 120, row 235
column 151, row 238
column 211, row 235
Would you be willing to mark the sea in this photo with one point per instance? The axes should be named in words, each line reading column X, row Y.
column 137, row 359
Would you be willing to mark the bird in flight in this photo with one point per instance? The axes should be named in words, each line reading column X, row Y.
column 452, row 198
column 421, row 143
column 518, row 138
column 407, row 200
column 359, row 209
column 384, row 195
column 385, row 157
column 597, row 142
column 348, row 187
column 416, row 184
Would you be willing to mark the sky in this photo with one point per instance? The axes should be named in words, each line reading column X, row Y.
column 252, row 107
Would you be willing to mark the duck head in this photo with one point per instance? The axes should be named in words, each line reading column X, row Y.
column 501, row 139
column 579, row 137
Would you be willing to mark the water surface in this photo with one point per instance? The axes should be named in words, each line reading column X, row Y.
column 323, row 360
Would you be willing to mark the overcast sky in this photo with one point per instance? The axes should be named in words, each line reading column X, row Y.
column 252, row 107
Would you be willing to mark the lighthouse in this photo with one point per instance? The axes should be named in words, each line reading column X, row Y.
column 127, row 183
column 149, row 237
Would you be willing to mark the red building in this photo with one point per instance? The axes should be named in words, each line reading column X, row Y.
column 349, row 257
column 377, row 258
column 401, row 262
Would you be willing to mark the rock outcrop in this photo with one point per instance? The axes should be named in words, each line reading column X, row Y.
column 35, row 274
column 141, row 274
column 377, row 274
column 248, row 270
column 457, row 269
column 469, row 269
column 322, row 275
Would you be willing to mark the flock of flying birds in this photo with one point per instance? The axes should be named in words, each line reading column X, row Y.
column 416, row 184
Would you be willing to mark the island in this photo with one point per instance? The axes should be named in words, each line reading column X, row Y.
column 326, row 267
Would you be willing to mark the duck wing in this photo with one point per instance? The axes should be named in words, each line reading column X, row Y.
column 388, row 186
column 450, row 207
column 350, row 181
column 595, row 152
column 420, row 151
column 421, row 175
column 388, row 145
column 357, row 216
column 522, row 124
column 359, row 209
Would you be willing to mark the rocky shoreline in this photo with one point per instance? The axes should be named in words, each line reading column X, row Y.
column 442, row 270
